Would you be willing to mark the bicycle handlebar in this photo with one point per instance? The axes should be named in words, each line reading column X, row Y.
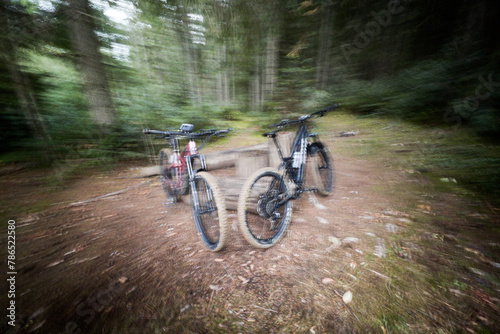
column 201, row 133
column 301, row 119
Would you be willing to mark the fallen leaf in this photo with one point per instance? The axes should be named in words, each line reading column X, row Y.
column 215, row 287
column 327, row 280
column 122, row 279
column 322, row 220
column 335, row 241
column 243, row 279
column 219, row 260
column 347, row 297
column 245, row 264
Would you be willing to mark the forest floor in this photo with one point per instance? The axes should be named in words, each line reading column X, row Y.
column 421, row 255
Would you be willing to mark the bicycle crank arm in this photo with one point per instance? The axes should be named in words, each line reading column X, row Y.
column 286, row 199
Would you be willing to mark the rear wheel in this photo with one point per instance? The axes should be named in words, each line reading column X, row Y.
column 323, row 171
column 262, row 221
column 209, row 211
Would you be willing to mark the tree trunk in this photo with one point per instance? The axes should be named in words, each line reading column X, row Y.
column 255, row 86
column 189, row 54
column 23, row 87
column 29, row 106
column 271, row 68
column 86, row 46
column 325, row 46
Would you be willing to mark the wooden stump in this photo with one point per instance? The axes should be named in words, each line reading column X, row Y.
column 250, row 161
column 231, row 188
column 285, row 140
column 228, row 158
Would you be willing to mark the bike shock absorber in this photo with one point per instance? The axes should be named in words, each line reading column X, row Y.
column 298, row 160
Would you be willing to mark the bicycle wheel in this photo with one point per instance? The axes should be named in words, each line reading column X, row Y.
column 262, row 222
column 209, row 211
column 323, row 171
column 173, row 182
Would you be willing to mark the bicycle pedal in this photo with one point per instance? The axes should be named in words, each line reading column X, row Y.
column 169, row 203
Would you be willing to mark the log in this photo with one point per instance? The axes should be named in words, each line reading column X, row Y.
column 230, row 188
column 149, row 171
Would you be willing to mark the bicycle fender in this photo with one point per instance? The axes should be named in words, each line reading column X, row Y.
column 195, row 171
column 315, row 147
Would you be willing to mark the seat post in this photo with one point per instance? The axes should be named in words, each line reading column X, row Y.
column 278, row 147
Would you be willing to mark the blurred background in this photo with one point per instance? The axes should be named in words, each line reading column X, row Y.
column 80, row 79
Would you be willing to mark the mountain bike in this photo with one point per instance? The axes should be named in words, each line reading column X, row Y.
column 264, row 205
column 186, row 170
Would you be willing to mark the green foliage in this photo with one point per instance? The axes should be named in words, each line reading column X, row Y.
column 230, row 114
column 365, row 96
column 215, row 65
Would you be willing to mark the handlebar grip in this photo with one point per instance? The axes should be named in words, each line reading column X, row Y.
column 324, row 110
column 226, row 131
column 153, row 132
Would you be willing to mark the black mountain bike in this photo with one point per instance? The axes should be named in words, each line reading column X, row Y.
column 186, row 170
column 264, row 205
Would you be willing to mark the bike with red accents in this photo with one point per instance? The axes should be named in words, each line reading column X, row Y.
column 186, row 171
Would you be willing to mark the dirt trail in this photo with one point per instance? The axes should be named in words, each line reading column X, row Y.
column 128, row 264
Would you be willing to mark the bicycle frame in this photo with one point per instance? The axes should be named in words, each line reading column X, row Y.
column 177, row 162
column 185, row 161
column 294, row 164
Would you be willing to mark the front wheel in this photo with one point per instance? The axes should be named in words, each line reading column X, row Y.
column 262, row 220
column 323, row 171
column 209, row 211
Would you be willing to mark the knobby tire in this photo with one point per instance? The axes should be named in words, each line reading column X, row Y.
column 209, row 215
column 256, row 203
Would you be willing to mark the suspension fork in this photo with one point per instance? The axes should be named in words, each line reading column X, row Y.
column 192, row 175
